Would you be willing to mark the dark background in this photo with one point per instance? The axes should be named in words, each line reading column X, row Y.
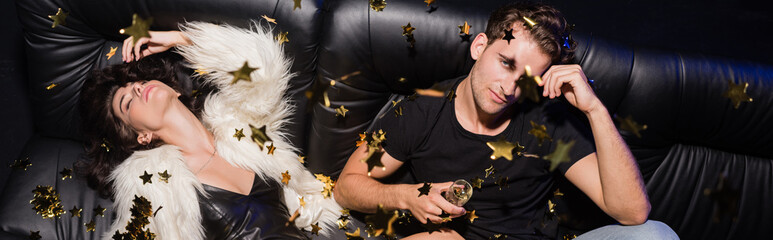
column 729, row 29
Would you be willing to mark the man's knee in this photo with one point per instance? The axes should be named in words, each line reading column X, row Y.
column 650, row 230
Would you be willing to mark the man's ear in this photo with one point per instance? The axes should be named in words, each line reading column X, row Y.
column 478, row 45
column 144, row 138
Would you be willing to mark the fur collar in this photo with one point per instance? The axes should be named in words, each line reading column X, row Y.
column 218, row 50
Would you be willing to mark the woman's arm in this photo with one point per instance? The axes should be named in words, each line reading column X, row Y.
column 156, row 43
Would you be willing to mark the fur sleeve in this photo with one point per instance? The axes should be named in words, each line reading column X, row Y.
column 180, row 215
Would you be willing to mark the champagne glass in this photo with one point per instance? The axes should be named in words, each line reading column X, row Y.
column 459, row 193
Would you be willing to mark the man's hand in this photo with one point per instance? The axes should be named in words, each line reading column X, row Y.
column 430, row 206
column 158, row 42
column 570, row 81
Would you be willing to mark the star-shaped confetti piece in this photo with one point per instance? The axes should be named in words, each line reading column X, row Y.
column 271, row 149
column 464, row 29
column 59, row 18
column 100, row 211
column 529, row 22
column 476, row 182
column 490, row 171
column 66, row 173
column 428, row 2
column 501, row 148
column 508, row 35
column 560, row 154
column 431, row 227
column 164, row 176
column 140, row 28
column 540, row 132
column 268, row 19
column 111, row 53
column 377, row 5
column 315, row 229
column 46, row 202
column 725, row 199
column 200, row 71
column 528, row 84
column 629, row 125
column 282, row 37
column 296, row 4
column 341, row 111
column 382, row 221
column 35, row 235
column 259, row 135
column 354, row 235
column 551, row 211
column 52, row 86
column 291, row 220
column 407, row 29
column 373, row 159
column 399, row 111
column 471, row 216
column 737, row 93
column 106, row 145
column 243, row 73
column 21, row 164
column 146, row 178
column 342, row 222
column 302, row 159
column 558, row 193
column 424, row 190
column 75, row 211
column 286, row 177
column 90, row 226
column 502, row 182
column 498, row 236
column 239, row 134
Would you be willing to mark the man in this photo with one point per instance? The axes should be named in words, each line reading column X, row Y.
column 444, row 139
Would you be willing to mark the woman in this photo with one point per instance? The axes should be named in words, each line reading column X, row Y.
column 226, row 174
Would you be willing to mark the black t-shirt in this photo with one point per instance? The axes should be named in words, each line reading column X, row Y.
column 429, row 140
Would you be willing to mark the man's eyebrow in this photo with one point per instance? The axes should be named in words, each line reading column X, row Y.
column 509, row 59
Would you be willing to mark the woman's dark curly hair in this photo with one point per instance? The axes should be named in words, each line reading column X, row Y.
column 551, row 32
column 108, row 140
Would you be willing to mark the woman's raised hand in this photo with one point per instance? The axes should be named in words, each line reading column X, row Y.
column 156, row 43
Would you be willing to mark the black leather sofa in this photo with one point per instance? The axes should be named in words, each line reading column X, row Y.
column 694, row 135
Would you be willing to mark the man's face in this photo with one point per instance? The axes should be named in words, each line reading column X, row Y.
column 499, row 65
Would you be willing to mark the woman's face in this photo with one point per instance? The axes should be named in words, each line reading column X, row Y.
column 143, row 106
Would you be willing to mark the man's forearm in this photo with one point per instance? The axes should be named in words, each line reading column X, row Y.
column 363, row 193
column 623, row 189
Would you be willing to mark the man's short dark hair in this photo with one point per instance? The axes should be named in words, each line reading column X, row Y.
column 551, row 31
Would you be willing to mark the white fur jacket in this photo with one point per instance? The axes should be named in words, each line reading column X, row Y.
column 218, row 50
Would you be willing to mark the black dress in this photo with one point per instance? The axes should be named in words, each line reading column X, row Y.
column 260, row 215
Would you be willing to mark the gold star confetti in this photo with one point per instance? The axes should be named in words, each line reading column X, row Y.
column 111, row 53
column 291, row 220
column 327, row 191
column 35, row 235
column 373, row 159
column 328, row 184
column 560, row 154
column 259, row 136
column 146, row 178
column 407, row 29
column 59, row 18
column 345, row 211
column 399, row 111
column 75, row 211
column 502, row 182
column 424, row 190
column 558, row 193
column 476, row 182
column 725, row 199
column 628, row 124
column 271, row 149
column 100, row 211
column 464, row 29
column 428, row 2
column 239, row 134
column 282, row 37
column 341, row 111
column 540, row 132
column 498, row 236
column 471, row 216
column 200, row 71
column 551, row 209
column 243, row 73
column 286, row 177
column 66, row 173
column 296, row 4
column 431, row 227
column 354, row 235
column 394, row 103
column 52, row 86
column 106, row 145
column 378, row 5
column 46, row 202
column 382, row 221
column 529, row 23
column 737, row 93
column 508, row 35
column 302, row 159
column 569, row 236
column 21, row 164
column 302, row 202
column 402, row 80
column 138, row 29
column 528, row 85
column 490, row 171
column 315, row 229
column 90, row 226
column 268, row 19
column 445, row 217
column 141, row 210
column 319, row 92
column 164, row 176
column 451, row 95
column 501, row 148
column 342, row 222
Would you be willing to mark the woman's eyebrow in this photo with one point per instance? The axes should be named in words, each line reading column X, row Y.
column 120, row 103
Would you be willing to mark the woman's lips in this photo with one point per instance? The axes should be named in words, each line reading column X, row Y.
column 145, row 93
